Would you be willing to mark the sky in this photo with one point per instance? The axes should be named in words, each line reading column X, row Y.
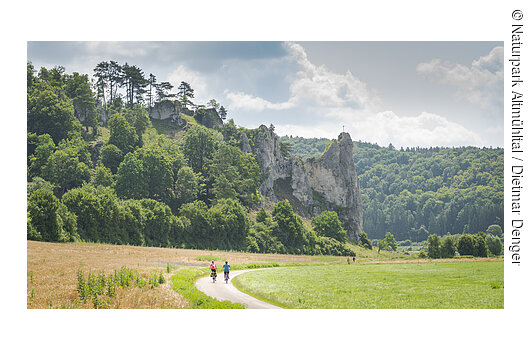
column 406, row 93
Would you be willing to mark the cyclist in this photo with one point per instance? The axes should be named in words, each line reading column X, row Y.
column 226, row 269
column 214, row 269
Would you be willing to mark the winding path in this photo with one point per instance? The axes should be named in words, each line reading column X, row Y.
column 222, row 291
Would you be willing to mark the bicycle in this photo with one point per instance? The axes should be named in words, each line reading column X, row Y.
column 214, row 276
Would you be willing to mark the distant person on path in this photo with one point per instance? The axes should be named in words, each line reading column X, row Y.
column 348, row 260
column 213, row 268
column 226, row 268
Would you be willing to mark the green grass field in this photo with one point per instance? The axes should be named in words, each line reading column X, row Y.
column 453, row 285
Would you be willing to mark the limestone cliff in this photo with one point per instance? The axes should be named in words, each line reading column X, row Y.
column 327, row 183
column 333, row 176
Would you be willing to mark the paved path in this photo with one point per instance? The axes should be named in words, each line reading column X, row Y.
column 222, row 291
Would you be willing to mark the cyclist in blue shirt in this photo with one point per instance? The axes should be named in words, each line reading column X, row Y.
column 226, row 269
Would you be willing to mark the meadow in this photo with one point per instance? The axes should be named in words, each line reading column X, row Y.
column 432, row 285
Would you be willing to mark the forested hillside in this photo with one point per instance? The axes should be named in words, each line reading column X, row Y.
column 416, row 192
column 99, row 172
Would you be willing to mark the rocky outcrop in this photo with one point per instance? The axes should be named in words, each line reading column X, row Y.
column 166, row 110
column 245, row 144
column 273, row 165
column 333, row 177
column 208, row 117
column 327, row 183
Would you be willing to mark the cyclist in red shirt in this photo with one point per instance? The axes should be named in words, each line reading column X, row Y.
column 214, row 269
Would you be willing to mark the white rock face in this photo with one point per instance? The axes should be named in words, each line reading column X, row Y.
column 334, row 177
column 327, row 183
column 165, row 110
column 271, row 161
column 300, row 183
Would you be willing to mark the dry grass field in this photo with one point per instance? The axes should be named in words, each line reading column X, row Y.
column 52, row 271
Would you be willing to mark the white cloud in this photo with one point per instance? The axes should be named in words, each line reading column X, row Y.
column 242, row 101
column 386, row 127
column 325, row 129
column 196, row 81
column 324, row 87
column 344, row 100
column 481, row 83
column 315, row 85
column 383, row 128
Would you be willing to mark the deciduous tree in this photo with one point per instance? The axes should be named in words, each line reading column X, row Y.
column 200, row 144
column 448, row 247
column 465, row 244
column 494, row 244
column 122, row 134
column 433, row 246
column 49, row 219
column 111, row 157
column 328, row 224
column 51, row 112
column 65, row 169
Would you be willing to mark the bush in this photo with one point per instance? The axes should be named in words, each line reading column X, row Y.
column 37, row 159
column 158, row 223
column 40, row 183
column 465, row 244
column 32, row 234
column 288, row 227
column 50, row 111
column 405, row 243
column 391, row 241
column 122, row 134
column 330, row 246
column 479, row 245
column 364, row 241
column 494, row 230
column 102, row 177
column 197, row 233
column 262, row 216
column 98, row 216
column 328, row 224
column 111, row 157
column 229, row 223
column 48, row 219
column 266, row 242
column 252, row 245
column 65, row 169
column 448, row 247
column 433, row 246
column 494, row 244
